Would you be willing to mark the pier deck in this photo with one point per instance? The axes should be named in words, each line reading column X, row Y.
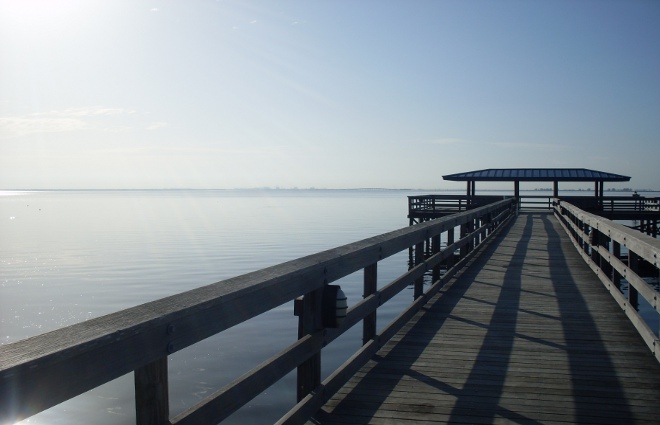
column 527, row 333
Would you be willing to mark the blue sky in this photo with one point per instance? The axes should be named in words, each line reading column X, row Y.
column 327, row 94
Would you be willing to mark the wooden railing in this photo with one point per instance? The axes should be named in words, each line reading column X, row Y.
column 40, row 372
column 421, row 204
column 609, row 204
column 614, row 204
column 599, row 241
column 454, row 203
column 535, row 202
column 628, row 203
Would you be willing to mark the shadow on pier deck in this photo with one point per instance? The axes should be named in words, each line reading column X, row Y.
column 527, row 333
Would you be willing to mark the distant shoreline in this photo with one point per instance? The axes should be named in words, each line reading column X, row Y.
column 310, row 189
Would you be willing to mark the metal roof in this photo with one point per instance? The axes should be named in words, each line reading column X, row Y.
column 537, row 174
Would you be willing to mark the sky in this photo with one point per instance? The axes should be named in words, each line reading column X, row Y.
column 326, row 94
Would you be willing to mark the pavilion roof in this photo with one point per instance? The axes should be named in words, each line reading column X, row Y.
column 537, row 174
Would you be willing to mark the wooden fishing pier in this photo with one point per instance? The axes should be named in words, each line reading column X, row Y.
column 516, row 316
column 525, row 334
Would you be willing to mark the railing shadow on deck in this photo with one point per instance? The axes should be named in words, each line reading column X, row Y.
column 599, row 241
column 498, row 340
column 42, row 371
column 492, row 359
column 584, row 385
column 409, row 348
column 475, row 398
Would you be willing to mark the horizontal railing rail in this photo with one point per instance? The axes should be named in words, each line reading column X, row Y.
column 436, row 203
column 42, row 371
column 614, row 204
column 420, row 204
column 535, row 202
column 609, row 204
column 631, row 204
column 599, row 241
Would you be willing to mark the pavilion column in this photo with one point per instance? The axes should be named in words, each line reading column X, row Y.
column 516, row 188
column 470, row 193
column 467, row 192
column 598, row 189
column 555, row 189
column 516, row 192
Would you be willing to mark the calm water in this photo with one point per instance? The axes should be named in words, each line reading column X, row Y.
column 68, row 256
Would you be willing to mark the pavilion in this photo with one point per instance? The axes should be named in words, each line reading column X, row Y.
column 554, row 175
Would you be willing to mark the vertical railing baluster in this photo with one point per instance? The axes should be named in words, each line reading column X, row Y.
column 594, row 241
column 151, row 393
column 370, row 287
column 605, row 264
column 616, row 276
column 435, row 247
column 465, row 248
column 450, row 241
column 419, row 258
column 310, row 320
column 633, row 265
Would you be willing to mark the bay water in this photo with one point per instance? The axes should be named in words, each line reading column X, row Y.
column 69, row 256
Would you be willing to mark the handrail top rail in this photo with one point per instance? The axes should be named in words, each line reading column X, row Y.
column 169, row 324
column 525, row 195
column 450, row 196
column 647, row 247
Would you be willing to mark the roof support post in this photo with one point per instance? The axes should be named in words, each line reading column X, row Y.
column 555, row 188
column 598, row 189
column 470, row 193
column 516, row 189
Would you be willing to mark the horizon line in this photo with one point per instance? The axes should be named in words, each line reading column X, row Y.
column 268, row 188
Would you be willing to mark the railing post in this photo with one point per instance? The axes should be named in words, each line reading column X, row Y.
column 436, row 249
column 309, row 312
column 450, row 241
column 478, row 222
column 489, row 221
column 594, row 242
column 605, row 265
column 633, row 265
column 616, row 277
column 587, row 242
column 370, row 287
column 419, row 259
column 465, row 248
column 151, row 394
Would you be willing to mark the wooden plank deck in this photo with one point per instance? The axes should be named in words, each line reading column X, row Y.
column 527, row 334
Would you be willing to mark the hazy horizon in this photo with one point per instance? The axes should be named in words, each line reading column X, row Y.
column 267, row 188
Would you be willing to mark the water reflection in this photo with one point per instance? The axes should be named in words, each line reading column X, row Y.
column 66, row 257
